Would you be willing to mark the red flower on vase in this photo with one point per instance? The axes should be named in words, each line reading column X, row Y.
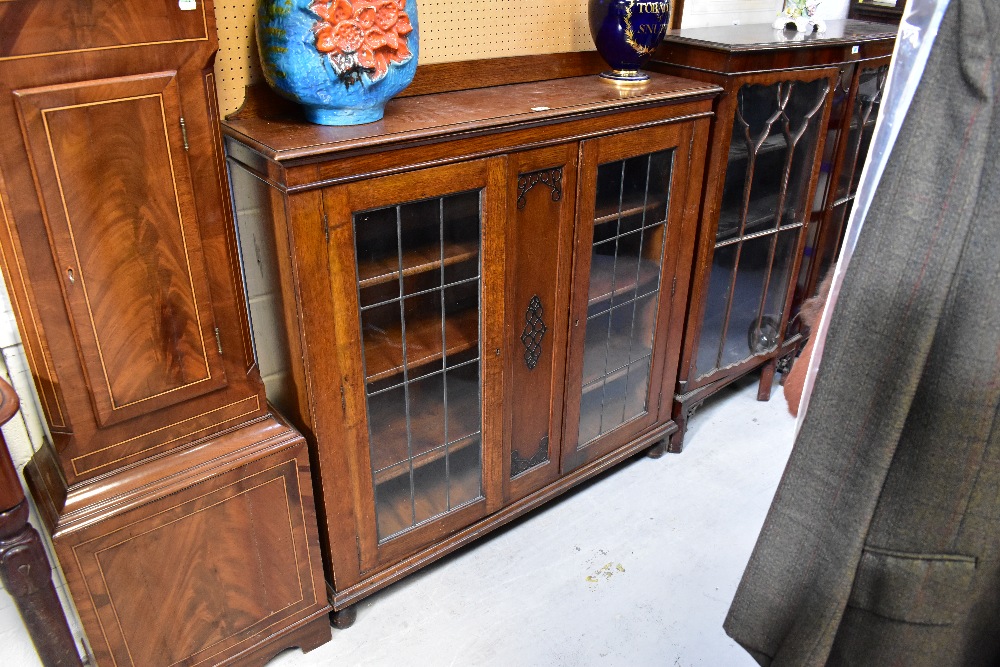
column 362, row 36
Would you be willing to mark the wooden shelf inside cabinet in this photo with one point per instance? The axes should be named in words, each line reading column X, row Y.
column 603, row 216
column 420, row 260
column 432, row 456
column 760, row 217
column 604, row 285
column 384, row 348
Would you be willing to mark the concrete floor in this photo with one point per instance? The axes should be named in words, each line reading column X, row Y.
column 637, row 567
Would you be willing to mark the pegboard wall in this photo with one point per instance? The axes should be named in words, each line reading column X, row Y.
column 449, row 30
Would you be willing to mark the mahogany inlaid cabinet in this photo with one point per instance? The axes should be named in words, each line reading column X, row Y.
column 180, row 508
column 791, row 131
column 471, row 305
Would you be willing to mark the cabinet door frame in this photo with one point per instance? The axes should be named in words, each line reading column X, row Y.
column 688, row 379
column 535, row 394
column 340, row 203
column 670, row 304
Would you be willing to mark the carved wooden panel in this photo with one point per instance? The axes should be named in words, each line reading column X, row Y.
column 227, row 560
column 32, row 28
column 541, row 195
column 112, row 174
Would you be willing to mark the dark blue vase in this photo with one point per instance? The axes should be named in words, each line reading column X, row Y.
column 626, row 33
column 341, row 59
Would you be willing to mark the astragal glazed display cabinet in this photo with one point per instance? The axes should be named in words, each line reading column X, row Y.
column 789, row 137
column 472, row 305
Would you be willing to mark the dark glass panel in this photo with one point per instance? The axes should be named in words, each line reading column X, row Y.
column 716, row 302
column 421, row 356
column 595, row 348
column 387, row 428
column 382, row 336
column 465, row 472
column 427, row 408
column 626, row 267
column 609, row 191
column 622, row 337
column 660, row 166
column 871, row 83
column 420, row 236
column 748, row 294
column 764, row 337
column 624, row 277
column 423, row 339
column 430, row 485
column 638, row 388
column 590, row 412
column 463, row 401
column 376, row 240
column 644, row 321
column 836, row 130
column 393, row 501
column 613, row 409
column 634, row 183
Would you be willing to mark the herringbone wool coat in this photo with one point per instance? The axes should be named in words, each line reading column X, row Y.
column 882, row 545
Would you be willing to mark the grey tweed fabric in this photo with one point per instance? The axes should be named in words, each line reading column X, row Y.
column 882, row 545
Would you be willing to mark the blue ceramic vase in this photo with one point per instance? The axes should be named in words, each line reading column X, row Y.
column 626, row 33
column 341, row 59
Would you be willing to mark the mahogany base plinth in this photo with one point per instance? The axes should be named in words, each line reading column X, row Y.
column 306, row 636
column 344, row 618
column 209, row 557
column 27, row 576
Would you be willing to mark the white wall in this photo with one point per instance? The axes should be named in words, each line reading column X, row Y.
column 701, row 13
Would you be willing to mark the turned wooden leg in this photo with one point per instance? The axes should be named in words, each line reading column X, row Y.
column 24, row 567
column 344, row 618
column 682, row 413
column 657, row 450
column 766, row 380
column 27, row 576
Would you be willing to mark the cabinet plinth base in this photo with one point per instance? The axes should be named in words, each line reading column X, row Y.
column 234, row 519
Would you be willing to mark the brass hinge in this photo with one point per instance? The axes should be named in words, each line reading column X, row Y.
column 343, row 400
column 184, row 134
column 659, row 401
column 673, row 286
column 218, row 339
column 326, row 227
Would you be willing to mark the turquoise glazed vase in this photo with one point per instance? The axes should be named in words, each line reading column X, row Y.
column 342, row 60
column 626, row 32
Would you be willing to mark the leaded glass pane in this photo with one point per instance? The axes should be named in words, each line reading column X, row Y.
column 419, row 290
column 628, row 241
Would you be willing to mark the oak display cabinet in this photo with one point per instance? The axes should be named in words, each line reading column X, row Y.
column 790, row 135
column 471, row 305
column 179, row 506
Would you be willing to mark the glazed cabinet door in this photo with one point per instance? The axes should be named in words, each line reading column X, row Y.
column 750, row 249
column 630, row 223
column 418, row 280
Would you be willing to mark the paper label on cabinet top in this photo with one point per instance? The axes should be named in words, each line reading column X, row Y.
column 186, row 5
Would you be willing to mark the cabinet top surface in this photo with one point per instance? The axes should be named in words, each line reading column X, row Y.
column 280, row 132
column 762, row 36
